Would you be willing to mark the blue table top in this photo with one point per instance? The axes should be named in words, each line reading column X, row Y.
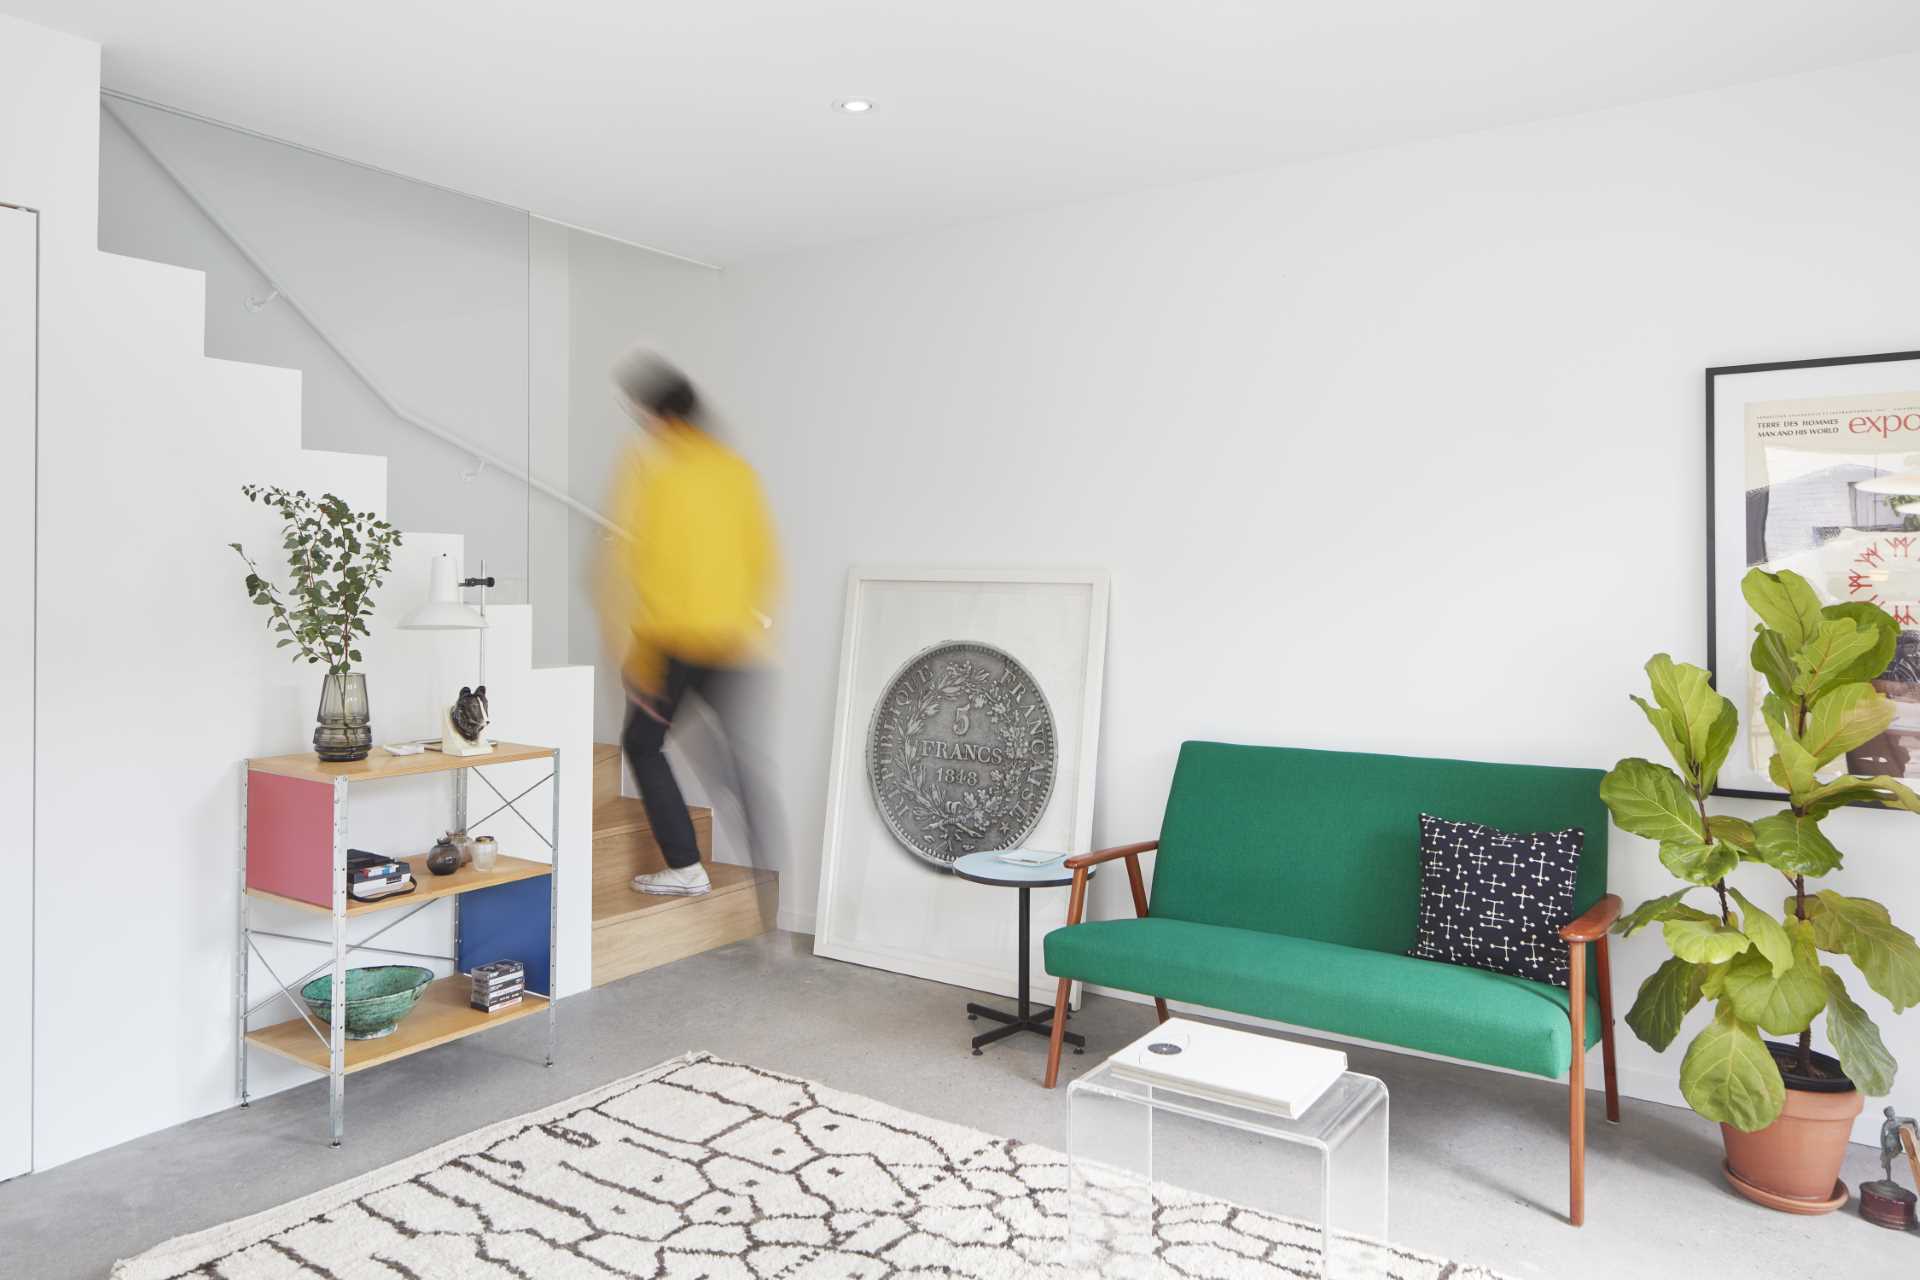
column 987, row 868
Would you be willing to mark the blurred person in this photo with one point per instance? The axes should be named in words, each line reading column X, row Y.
column 686, row 596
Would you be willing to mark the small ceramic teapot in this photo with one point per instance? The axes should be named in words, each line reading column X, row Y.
column 445, row 859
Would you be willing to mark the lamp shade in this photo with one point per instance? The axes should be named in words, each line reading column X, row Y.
column 443, row 610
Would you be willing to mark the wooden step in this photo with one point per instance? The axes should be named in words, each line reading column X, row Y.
column 624, row 847
column 641, row 931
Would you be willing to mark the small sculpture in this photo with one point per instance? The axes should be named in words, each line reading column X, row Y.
column 464, row 722
column 1891, row 1148
column 470, row 712
column 1885, row 1202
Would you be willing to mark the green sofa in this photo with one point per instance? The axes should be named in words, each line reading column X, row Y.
column 1287, row 886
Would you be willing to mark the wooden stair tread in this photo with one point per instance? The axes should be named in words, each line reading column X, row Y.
column 627, row 904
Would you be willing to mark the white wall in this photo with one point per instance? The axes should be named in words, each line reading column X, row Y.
column 1399, row 451
column 19, row 318
column 430, row 291
column 155, row 678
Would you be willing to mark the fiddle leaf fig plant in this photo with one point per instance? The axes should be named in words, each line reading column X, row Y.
column 1759, row 972
column 338, row 557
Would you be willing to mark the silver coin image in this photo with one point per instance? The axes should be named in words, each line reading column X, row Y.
column 961, row 751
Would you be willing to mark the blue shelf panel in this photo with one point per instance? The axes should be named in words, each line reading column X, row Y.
column 509, row 922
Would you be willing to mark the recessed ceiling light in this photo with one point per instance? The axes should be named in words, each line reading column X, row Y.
column 855, row 106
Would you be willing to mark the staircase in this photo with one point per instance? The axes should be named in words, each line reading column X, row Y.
column 637, row 931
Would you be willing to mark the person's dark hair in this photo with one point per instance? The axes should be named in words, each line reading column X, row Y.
column 650, row 383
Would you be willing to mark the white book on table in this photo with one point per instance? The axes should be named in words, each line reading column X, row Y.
column 1240, row 1068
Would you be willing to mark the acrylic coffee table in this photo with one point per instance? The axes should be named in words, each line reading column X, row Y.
column 987, row 868
column 1137, row 1150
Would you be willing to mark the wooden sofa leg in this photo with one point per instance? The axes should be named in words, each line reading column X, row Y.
column 1605, row 980
column 1577, row 1087
column 1160, row 1007
column 1059, row 1031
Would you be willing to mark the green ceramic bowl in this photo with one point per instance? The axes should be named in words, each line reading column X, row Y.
column 377, row 997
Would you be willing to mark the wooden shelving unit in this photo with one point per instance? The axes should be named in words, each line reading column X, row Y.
column 293, row 851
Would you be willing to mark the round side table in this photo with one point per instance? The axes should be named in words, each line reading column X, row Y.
column 988, row 868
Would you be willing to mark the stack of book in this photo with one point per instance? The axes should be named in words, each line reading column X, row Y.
column 371, row 876
column 498, row 985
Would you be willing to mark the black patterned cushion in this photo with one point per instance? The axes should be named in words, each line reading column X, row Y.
column 1495, row 900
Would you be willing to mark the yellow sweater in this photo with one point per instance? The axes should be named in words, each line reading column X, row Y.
column 697, row 578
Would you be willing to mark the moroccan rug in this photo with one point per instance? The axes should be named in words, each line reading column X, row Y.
column 709, row 1170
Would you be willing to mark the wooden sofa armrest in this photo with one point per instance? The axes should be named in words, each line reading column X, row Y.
column 1593, row 926
column 1080, row 862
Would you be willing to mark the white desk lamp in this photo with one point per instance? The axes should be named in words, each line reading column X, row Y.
column 445, row 611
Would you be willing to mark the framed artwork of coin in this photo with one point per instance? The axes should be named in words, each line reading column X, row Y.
column 966, row 719
column 960, row 751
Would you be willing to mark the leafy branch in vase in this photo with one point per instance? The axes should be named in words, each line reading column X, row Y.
column 337, row 558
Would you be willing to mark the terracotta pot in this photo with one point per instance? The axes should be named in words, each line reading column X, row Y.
column 1794, row 1163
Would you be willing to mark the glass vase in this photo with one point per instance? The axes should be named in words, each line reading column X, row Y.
column 345, row 731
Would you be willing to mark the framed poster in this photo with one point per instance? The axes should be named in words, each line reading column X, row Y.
column 967, row 719
column 1807, row 462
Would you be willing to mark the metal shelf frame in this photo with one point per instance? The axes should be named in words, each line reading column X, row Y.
column 337, row 942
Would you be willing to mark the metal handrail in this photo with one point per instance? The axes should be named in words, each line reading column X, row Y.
column 333, row 344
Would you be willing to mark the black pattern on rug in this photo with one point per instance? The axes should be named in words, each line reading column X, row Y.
column 710, row 1170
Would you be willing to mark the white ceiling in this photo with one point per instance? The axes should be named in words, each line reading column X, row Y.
column 705, row 127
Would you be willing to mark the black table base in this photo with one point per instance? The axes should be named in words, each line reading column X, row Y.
column 1040, row 1023
column 1025, row 1018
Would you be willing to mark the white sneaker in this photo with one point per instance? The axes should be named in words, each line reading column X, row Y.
column 684, row 882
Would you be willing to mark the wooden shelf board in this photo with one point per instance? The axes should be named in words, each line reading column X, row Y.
column 441, row 1015
column 625, row 904
column 381, row 764
column 505, row 871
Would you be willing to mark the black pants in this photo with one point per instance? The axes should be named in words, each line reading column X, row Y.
column 728, row 691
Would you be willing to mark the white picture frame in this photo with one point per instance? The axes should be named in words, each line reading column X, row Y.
column 881, row 905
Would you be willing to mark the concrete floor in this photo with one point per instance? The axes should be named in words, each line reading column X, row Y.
column 1478, row 1159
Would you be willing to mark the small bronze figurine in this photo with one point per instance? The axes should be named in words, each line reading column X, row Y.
column 1891, row 1148
column 1886, row 1203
